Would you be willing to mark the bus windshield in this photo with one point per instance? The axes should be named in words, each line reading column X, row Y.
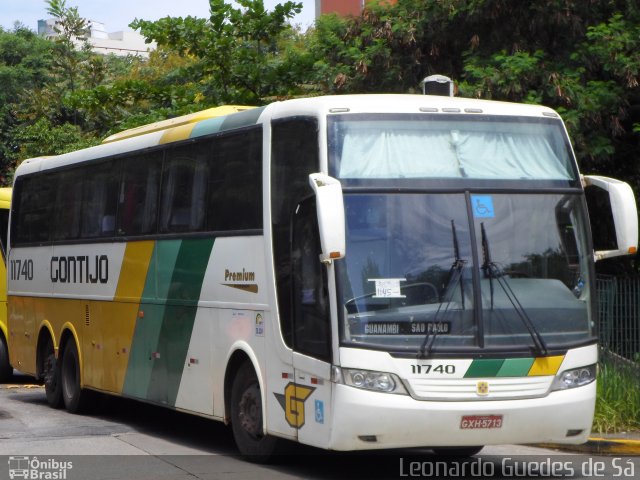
column 385, row 146
column 409, row 271
column 430, row 270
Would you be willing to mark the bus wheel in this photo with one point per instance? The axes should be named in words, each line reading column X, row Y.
column 51, row 376
column 5, row 369
column 457, row 452
column 73, row 396
column 246, row 417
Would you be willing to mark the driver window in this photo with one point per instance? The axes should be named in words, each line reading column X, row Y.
column 310, row 297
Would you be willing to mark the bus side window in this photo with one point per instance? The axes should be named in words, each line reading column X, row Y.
column 68, row 204
column 310, row 297
column 235, row 182
column 138, row 202
column 100, row 200
column 33, row 213
column 184, row 186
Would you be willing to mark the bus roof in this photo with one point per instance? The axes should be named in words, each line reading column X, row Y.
column 220, row 119
column 177, row 122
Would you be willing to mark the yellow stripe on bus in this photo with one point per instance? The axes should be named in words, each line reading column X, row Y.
column 133, row 273
column 183, row 132
column 544, row 366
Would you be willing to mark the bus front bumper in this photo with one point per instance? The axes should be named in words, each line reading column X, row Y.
column 370, row 420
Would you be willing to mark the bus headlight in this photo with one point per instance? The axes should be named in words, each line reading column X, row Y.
column 576, row 377
column 369, row 380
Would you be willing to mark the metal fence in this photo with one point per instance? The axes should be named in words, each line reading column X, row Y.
column 619, row 316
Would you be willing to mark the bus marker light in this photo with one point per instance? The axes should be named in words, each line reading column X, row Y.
column 632, row 250
column 140, row 314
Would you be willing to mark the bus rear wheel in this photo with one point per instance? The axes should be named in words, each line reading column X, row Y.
column 74, row 397
column 246, row 417
column 51, row 376
column 5, row 369
column 457, row 452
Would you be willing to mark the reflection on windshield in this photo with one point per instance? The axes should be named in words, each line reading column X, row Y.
column 407, row 282
column 396, row 279
column 538, row 245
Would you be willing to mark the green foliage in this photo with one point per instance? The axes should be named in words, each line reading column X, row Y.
column 238, row 51
column 618, row 398
column 71, row 29
column 43, row 138
column 580, row 57
column 25, row 61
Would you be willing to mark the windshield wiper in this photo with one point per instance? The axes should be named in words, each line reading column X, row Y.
column 455, row 277
column 491, row 270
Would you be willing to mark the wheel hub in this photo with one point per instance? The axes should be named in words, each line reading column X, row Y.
column 250, row 411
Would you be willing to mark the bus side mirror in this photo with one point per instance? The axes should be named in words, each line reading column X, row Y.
column 330, row 210
column 617, row 216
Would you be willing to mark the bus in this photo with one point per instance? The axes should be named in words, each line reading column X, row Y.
column 347, row 272
column 6, row 371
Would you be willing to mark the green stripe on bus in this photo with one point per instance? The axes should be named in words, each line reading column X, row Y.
column 144, row 346
column 516, row 367
column 484, row 368
column 207, row 127
column 179, row 318
column 242, row 119
column 166, row 260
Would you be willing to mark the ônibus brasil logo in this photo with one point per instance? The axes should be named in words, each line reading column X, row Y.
column 36, row 469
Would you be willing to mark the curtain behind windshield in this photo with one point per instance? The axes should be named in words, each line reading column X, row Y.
column 389, row 147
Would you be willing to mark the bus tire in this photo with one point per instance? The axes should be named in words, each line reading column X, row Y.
column 5, row 368
column 247, row 415
column 74, row 397
column 51, row 376
column 457, row 452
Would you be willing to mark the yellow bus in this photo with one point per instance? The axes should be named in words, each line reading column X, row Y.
column 5, row 203
column 349, row 272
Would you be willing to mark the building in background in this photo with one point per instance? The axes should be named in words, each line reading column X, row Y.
column 121, row 43
column 343, row 7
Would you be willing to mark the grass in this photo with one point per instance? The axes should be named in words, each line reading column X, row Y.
column 618, row 397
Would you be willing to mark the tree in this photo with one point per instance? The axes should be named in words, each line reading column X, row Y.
column 238, row 51
column 578, row 56
column 25, row 62
column 71, row 30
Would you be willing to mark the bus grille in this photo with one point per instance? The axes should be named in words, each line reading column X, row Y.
column 467, row 389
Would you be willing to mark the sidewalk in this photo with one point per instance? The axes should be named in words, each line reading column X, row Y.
column 623, row 443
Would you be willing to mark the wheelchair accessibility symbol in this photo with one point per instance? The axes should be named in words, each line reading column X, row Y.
column 482, row 206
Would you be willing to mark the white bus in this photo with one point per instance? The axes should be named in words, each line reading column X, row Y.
column 348, row 272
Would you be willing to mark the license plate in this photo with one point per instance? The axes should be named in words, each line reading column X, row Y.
column 480, row 421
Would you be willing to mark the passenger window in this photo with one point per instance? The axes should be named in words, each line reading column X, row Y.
column 184, row 189
column 68, row 205
column 235, row 185
column 33, row 214
column 100, row 200
column 138, row 202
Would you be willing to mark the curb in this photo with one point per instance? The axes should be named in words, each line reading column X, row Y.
column 601, row 446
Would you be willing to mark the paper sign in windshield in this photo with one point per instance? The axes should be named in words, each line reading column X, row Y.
column 388, row 287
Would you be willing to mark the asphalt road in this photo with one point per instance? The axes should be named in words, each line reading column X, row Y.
column 123, row 439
